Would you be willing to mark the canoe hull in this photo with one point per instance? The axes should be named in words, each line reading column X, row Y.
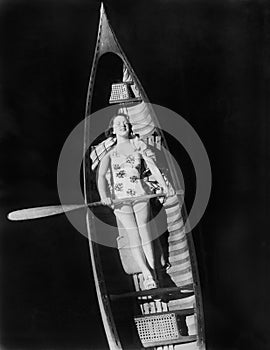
column 132, row 317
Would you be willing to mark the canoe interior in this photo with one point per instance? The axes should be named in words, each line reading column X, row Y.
column 125, row 307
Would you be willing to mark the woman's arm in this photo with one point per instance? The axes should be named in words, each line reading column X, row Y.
column 101, row 181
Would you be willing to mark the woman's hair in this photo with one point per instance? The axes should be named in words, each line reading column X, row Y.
column 109, row 131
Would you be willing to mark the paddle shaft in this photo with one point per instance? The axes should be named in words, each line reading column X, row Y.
column 41, row 212
column 133, row 199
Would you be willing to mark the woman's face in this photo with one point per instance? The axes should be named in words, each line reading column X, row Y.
column 121, row 126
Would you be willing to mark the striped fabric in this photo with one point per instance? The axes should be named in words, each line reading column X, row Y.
column 180, row 270
column 99, row 151
column 139, row 114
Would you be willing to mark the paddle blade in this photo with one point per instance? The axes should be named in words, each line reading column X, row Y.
column 41, row 212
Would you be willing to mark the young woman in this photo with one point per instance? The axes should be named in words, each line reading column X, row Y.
column 125, row 163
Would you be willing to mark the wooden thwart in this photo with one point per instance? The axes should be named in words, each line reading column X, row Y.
column 154, row 292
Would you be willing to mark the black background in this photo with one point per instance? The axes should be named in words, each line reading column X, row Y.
column 206, row 60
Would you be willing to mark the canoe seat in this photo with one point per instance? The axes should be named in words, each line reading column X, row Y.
column 122, row 92
column 163, row 328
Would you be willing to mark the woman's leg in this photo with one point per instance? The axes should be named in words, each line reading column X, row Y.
column 126, row 216
column 142, row 212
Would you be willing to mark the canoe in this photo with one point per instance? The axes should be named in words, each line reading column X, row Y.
column 171, row 315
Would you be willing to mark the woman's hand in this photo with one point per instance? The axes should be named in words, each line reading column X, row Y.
column 168, row 191
column 106, row 201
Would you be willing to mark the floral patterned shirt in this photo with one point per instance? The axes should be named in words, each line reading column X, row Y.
column 126, row 174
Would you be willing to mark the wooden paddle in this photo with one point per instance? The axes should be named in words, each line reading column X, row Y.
column 41, row 212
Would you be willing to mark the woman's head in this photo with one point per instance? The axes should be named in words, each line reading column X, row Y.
column 120, row 125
